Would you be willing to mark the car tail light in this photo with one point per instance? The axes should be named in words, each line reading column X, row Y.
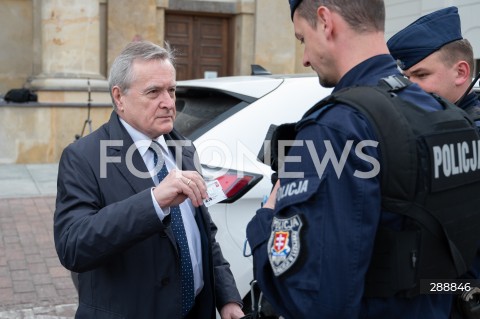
column 234, row 183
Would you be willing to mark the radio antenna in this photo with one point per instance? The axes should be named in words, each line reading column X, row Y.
column 470, row 87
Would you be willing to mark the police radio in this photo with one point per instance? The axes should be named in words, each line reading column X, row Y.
column 269, row 152
column 470, row 87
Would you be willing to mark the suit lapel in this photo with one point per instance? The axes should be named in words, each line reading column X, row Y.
column 175, row 142
column 125, row 149
column 131, row 159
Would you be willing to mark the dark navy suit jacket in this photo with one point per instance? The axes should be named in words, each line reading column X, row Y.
column 106, row 228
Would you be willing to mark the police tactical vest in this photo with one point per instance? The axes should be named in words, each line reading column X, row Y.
column 430, row 173
column 474, row 112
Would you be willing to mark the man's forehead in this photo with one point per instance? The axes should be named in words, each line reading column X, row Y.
column 431, row 61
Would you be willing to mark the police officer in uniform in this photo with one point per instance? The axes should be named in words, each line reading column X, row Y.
column 313, row 239
column 432, row 53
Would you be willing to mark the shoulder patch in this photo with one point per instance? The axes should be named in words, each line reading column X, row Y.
column 297, row 191
column 294, row 188
column 284, row 243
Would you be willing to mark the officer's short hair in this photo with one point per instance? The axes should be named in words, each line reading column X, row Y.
column 361, row 15
column 460, row 50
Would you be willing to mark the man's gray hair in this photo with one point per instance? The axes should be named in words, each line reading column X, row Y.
column 121, row 71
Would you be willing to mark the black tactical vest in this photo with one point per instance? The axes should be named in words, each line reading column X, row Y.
column 430, row 173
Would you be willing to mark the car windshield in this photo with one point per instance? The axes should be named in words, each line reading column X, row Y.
column 199, row 109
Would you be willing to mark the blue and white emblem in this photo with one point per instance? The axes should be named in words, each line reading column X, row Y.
column 284, row 243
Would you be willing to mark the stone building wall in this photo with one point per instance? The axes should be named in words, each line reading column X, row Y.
column 16, row 37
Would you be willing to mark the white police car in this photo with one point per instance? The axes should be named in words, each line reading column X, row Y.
column 227, row 119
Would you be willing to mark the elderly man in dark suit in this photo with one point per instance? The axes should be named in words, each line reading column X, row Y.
column 129, row 213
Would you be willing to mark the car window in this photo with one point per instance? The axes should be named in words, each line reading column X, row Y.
column 199, row 109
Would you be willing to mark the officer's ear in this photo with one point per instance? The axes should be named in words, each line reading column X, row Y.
column 463, row 73
column 324, row 19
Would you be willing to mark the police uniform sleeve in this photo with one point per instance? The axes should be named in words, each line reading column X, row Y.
column 257, row 229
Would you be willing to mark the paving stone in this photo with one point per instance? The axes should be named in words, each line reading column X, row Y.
column 33, row 283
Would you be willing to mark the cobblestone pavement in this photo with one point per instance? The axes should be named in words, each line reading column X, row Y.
column 33, row 283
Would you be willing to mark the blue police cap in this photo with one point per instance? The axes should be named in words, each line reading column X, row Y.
column 293, row 5
column 425, row 36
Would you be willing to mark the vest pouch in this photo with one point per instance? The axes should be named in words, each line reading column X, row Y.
column 394, row 263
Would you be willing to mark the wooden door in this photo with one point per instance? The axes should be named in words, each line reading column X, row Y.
column 202, row 45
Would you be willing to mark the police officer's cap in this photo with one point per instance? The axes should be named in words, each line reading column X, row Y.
column 293, row 6
column 425, row 36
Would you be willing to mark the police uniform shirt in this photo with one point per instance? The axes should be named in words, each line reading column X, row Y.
column 332, row 219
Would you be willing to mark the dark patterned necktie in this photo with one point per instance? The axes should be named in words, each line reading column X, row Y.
column 186, row 271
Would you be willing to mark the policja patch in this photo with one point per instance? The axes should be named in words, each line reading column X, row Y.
column 284, row 243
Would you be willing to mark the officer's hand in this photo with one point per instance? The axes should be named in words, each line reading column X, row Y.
column 270, row 203
column 180, row 185
column 231, row 311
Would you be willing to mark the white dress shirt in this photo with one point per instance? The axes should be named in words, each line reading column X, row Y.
column 188, row 211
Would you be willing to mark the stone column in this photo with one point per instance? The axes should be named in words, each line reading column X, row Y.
column 67, row 48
